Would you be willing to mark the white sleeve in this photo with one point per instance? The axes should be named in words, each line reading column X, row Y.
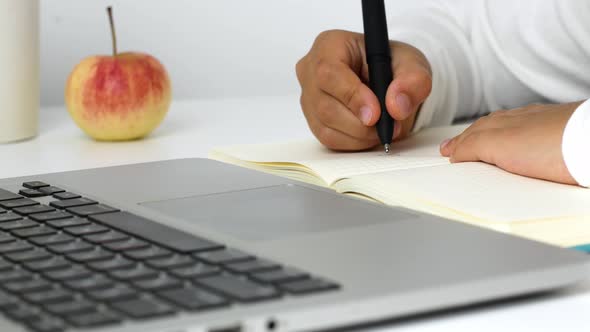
column 575, row 144
column 456, row 85
column 498, row 54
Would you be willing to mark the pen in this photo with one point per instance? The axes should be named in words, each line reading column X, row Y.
column 379, row 63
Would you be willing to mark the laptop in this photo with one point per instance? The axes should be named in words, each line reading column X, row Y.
column 197, row 245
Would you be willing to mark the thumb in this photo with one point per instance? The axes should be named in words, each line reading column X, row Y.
column 410, row 87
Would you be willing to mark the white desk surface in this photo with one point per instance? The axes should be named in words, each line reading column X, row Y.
column 192, row 128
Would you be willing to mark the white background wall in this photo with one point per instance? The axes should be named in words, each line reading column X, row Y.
column 215, row 48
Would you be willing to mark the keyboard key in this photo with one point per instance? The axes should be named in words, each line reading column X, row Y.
column 66, row 248
column 54, row 215
column 87, row 210
column 94, row 319
column 9, row 217
column 72, row 273
column 308, row 286
column 143, row 308
column 5, row 265
column 29, row 255
column 6, row 238
column 27, row 286
column 156, row 232
column 15, row 275
column 171, row 262
column 66, row 195
column 277, row 276
column 47, row 324
column 2, row 210
column 6, row 195
column 31, row 193
column 116, row 293
column 86, row 229
column 34, row 231
column 195, row 271
column 97, row 254
column 110, row 236
column 112, row 264
column 15, row 203
column 94, row 282
column 252, row 266
column 223, row 256
column 52, row 239
column 35, row 184
column 54, row 295
column 51, row 190
column 71, row 308
column 26, row 210
column 162, row 282
column 148, row 253
column 135, row 273
column 124, row 245
column 54, row 263
column 68, row 203
column 240, row 289
column 192, row 298
column 17, row 224
column 15, row 246
column 24, row 313
column 69, row 222
column 8, row 302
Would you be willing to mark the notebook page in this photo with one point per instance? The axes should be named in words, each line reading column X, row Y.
column 420, row 150
column 478, row 191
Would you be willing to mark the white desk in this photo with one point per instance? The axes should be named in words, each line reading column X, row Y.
column 193, row 128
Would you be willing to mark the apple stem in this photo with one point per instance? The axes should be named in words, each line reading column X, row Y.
column 113, row 34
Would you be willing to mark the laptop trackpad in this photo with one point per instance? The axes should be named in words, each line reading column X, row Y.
column 275, row 212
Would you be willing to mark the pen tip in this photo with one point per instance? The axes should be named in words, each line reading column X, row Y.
column 386, row 147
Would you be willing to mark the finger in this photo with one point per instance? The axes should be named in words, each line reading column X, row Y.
column 444, row 148
column 339, row 81
column 333, row 138
column 407, row 92
column 398, row 129
column 476, row 146
column 412, row 83
column 333, row 114
column 447, row 147
column 483, row 124
column 336, row 140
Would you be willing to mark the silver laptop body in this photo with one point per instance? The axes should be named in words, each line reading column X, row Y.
column 382, row 262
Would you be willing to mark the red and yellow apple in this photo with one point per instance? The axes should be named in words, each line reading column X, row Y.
column 120, row 97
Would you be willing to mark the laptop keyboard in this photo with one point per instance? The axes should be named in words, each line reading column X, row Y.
column 77, row 263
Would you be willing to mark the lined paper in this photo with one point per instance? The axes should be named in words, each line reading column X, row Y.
column 478, row 191
column 418, row 151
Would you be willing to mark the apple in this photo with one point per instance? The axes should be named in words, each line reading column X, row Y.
column 120, row 97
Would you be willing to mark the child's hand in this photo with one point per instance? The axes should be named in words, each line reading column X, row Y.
column 340, row 108
column 525, row 141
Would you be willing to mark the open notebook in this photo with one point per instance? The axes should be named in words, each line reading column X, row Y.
column 415, row 176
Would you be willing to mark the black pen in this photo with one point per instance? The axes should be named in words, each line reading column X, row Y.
column 379, row 62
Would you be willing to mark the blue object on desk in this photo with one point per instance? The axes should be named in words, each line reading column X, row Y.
column 584, row 247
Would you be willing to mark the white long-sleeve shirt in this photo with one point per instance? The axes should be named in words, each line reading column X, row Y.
column 501, row 54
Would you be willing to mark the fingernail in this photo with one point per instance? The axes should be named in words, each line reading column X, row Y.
column 444, row 143
column 366, row 115
column 404, row 104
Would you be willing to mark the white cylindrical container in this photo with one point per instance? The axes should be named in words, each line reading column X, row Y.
column 19, row 69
